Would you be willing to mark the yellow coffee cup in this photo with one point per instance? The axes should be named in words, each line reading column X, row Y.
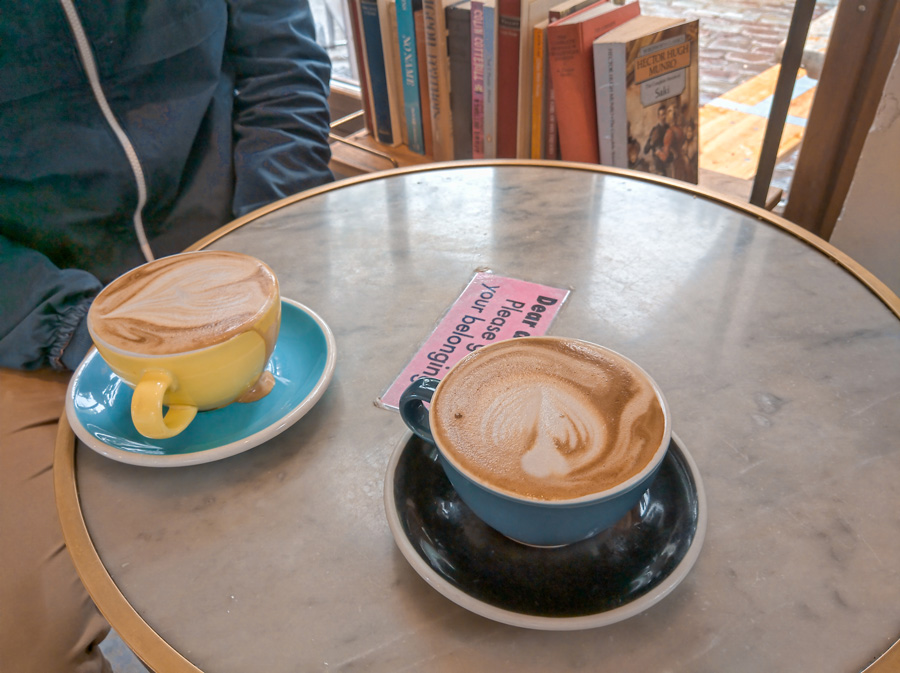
column 190, row 332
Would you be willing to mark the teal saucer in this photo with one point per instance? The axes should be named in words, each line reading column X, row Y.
column 98, row 403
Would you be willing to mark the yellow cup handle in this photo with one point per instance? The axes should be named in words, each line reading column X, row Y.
column 147, row 407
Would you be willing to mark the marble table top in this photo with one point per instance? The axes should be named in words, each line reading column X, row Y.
column 780, row 359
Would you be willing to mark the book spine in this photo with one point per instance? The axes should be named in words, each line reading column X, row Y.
column 377, row 77
column 509, row 19
column 538, row 94
column 459, row 47
column 409, row 69
column 388, row 15
column 534, row 12
column 609, row 75
column 477, row 29
column 362, row 70
column 692, row 118
column 422, row 60
column 551, row 150
column 438, row 79
column 572, row 71
column 490, row 81
column 551, row 134
column 573, row 88
column 553, row 14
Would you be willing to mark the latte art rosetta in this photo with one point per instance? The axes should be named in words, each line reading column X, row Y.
column 183, row 303
column 549, row 419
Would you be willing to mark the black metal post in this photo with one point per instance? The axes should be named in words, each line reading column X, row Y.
column 781, row 100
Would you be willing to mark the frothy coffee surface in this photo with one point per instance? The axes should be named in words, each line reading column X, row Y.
column 183, row 303
column 548, row 418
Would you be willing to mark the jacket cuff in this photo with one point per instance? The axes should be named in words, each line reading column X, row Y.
column 74, row 338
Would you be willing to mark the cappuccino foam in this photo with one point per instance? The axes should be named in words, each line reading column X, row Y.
column 548, row 418
column 183, row 303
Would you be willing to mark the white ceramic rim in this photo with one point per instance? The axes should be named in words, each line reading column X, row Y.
column 616, row 490
column 512, row 618
column 219, row 452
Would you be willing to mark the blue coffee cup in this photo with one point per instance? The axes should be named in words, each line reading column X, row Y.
column 533, row 521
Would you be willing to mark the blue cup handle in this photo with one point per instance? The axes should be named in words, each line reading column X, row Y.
column 412, row 409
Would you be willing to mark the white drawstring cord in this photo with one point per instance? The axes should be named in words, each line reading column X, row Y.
column 90, row 67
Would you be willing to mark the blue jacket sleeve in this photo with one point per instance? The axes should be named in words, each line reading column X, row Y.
column 281, row 117
column 42, row 310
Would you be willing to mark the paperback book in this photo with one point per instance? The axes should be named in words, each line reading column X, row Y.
column 387, row 16
column 374, row 51
column 571, row 62
column 459, row 48
column 533, row 13
column 438, row 77
column 647, row 80
column 478, row 40
column 409, row 73
column 362, row 69
column 422, row 59
column 490, row 79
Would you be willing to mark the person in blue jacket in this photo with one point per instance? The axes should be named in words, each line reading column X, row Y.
column 129, row 129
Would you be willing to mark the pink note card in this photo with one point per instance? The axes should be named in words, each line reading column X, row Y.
column 491, row 308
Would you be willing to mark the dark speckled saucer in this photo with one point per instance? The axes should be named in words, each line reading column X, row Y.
column 613, row 576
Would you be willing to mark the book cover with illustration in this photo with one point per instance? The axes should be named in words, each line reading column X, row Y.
column 647, row 81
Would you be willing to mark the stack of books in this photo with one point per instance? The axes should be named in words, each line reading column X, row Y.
column 592, row 81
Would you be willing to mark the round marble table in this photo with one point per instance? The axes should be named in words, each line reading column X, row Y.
column 780, row 358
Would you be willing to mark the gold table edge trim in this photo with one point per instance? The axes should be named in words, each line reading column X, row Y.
column 140, row 636
column 148, row 645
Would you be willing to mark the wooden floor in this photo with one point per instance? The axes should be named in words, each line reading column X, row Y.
column 732, row 126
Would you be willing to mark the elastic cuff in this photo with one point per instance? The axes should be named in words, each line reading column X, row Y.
column 75, row 339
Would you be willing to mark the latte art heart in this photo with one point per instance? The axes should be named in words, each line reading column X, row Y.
column 556, row 428
column 548, row 418
column 183, row 303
